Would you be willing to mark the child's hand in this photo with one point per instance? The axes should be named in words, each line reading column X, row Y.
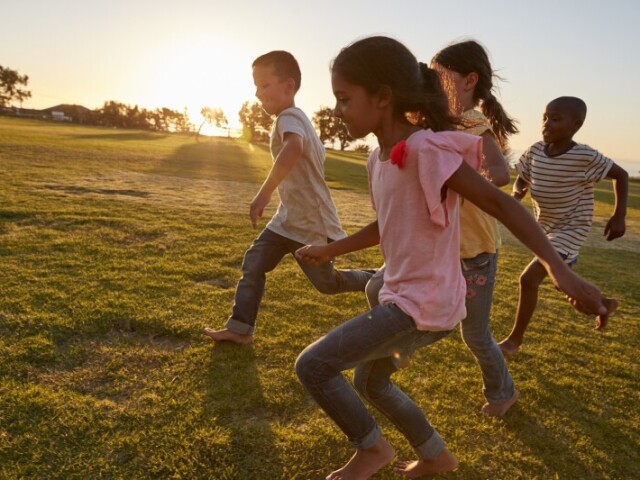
column 312, row 255
column 581, row 294
column 259, row 202
column 615, row 228
column 519, row 194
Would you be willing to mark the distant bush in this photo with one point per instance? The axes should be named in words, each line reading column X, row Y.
column 362, row 148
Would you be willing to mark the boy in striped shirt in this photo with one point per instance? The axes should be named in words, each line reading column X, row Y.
column 560, row 174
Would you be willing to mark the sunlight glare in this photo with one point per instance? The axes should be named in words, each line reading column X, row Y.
column 199, row 73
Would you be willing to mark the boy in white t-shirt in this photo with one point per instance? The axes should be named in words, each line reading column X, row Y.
column 306, row 213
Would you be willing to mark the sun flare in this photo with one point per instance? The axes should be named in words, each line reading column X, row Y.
column 197, row 73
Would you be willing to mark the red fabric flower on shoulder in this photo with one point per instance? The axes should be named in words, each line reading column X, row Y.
column 399, row 153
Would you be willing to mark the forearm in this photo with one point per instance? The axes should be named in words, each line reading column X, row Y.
column 507, row 210
column 366, row 237
column 621, row 192
column 284, row 163
column 523, row 226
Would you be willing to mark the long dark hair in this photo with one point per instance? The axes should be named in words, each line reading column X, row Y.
column 375, row 62
column 469, row 56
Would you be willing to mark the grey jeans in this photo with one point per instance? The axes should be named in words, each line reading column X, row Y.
column 264, row 254
column 369, row 343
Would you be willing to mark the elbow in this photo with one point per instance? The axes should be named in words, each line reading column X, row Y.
column 501, row 179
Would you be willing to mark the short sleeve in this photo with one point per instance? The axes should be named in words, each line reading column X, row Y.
column 523, row 167
column 598, row 167
column 289, row 122
column 440, row 155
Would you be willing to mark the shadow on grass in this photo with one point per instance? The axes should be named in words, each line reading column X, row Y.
column 235, row 403
column 558, row 451
column 220, row 160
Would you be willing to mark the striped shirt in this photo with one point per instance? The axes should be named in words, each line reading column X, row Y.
column 561, row 189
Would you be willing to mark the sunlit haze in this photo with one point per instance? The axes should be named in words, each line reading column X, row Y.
column 198, row 53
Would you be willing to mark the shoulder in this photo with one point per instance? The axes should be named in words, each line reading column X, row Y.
column 475, row 123
column 293, row 120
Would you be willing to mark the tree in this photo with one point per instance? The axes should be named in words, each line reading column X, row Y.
column 10, row 81
column 255, row 121
column 331, row 128
column 214, row 117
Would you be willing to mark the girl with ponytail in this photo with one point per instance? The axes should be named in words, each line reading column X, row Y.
column 467, row 78
column 416, row 177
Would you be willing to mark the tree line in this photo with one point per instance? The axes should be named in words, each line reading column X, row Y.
column 256, row 123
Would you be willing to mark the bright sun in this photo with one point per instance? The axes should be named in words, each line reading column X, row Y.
column 197, row 73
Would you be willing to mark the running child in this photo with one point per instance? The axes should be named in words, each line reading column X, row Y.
column 467, row 78
column 560, row 174
column 415, row 176
column 306, row 213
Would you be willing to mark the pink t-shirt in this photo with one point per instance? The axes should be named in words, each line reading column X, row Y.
column 419, row 226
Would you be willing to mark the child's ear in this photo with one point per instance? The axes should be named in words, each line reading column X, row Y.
column 384, row 96
column 471, row 80
column 291, row 85
column 576, row 125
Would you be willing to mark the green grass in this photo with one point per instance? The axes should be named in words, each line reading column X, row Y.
column 114, row 254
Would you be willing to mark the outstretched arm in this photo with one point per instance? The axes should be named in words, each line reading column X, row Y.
column 616, row 227
column 287, row 158
column 368, row 236
column 515, row 217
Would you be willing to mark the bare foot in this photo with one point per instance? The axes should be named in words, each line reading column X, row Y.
column 225, row 335
column 444, row 462
column 365, row 463
column 509, row 347
column 499, row 409
column 603, row 320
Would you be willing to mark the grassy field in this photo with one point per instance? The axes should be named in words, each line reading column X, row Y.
column 118, row 247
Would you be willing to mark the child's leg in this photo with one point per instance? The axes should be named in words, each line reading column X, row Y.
column 372, row 291
column 263, row 255
column 498, row 388
column 372, row 380
column 329, row 280
column 530, row 281
column 376, row 334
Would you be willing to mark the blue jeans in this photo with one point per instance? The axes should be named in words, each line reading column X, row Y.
column 369, row 342
column 263, row 256
column 480, row 274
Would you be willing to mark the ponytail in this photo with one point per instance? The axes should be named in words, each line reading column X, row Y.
column 434, row 110
column 469, row 56
column 502, row 124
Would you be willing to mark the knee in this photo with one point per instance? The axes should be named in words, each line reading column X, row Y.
column 361, row 383
column 308, row 368
column 530, row 279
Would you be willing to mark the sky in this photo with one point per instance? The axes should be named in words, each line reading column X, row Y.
column 196, row 53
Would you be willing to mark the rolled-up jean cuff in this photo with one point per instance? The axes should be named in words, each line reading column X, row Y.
column 238, row 327
column 369, row 440
column 431, row 448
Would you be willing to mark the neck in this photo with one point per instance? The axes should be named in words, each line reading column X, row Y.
column 393, row 133
column 557, row 148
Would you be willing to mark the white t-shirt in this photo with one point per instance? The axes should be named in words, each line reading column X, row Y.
column 306, row 212
column 561, row 189
column 420, row 229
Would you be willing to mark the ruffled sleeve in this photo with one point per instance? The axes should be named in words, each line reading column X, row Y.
column 440, row 155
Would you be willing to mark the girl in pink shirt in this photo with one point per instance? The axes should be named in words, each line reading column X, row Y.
column 415, row 177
